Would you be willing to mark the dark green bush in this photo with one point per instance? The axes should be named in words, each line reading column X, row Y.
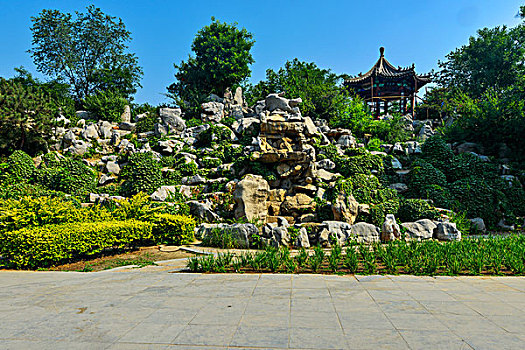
column 75, row 177
column 415, row 209
column 19, row 167
column 424, row 174
column 106, row 105
column 141, row 174
column 436, row 152
column 466, row 164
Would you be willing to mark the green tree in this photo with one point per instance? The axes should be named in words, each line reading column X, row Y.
column 26, row 116
column 222, row 59
column 88, row 51
column 494, row 59
column 320, row 89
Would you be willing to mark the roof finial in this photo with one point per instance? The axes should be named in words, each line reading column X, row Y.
column 382, row 51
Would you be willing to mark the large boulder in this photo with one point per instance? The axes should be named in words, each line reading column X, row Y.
column 345, row 208
column 250, row 197
column 212, row 112
column 241, row 233
column 447, row 231
column 202, row 211
column 126, row 115
column 163, row 193
column 365, row 232
column 172, row 117
column 277, row 102
column 338, row 230
column 421, row 229
column 390, row 230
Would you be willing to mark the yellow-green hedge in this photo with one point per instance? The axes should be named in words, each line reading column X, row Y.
column 47, row 245
column 173, row 229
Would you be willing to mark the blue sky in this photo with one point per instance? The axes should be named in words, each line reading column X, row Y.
column 341, row 35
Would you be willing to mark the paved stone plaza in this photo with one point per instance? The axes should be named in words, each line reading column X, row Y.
column 151, row 308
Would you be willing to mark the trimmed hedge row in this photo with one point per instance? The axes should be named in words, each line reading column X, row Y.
column 43, row 246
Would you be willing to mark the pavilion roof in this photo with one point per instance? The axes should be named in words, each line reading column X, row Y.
column 383, row 68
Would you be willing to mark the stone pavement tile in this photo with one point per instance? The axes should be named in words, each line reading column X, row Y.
column 48, row 345
column 137, row 346
column 355, row 321
column 448, row 307
column 390, row 295
column 308, row 281
column 205, row 335
column 510, row 297
column 272, row 292
column 54, row 329
column 350, row 293
column 493, row 308
column 315, row 320
column 430, row 339
column 407, row 321
column 432, row 295
column 402, row 306
column 104, row 331
column 512, row 324
column 415, row 285
column 373, row 339
column 472, row 296
column 352, row 307
column 215, row 317
column 312, row 305
column 274, row 319
column 463, row 324
column 146, row 332
column 310, row 293
column 517, row 283
column 261, row 337
column 316, row 338
column 171, row 316
column 265, row 305
column 493, row 340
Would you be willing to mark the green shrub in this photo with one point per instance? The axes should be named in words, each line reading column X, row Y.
column 141, row 174
column 436, row 152
column 424, row 174
column 415, row 209
column 19, row 167
column 173, row 229
column 43, row 246
column 365, row 188
column 75, row 177
column 20, row 189
column 27, row 211
column 106, row 105
column 466, row 164
column 215, row 134
column 138, row 207
column 364, row 163
column 379, row 211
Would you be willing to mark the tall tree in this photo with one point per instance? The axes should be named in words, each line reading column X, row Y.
column 222, row 59
column 88, row 51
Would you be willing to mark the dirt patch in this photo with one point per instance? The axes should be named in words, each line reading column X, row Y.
column 141, row 257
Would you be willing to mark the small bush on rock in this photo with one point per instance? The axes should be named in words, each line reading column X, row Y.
column 415, row 209
column 141, row 174
column 106, row 105
column 19, row 167
column 436, row 152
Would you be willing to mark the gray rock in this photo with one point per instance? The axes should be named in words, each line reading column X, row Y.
column 127, row 126
column 347, row 141
column 105, row 129
column 340, row 231
column 237, row 98
column 365, row 232
column 68, row 139
column 126, row 115
column 399, row 187
column 345, row 208
column 172, row 117
column 113, row 167
column 326, row 164
column 302, row 239
column 90, row 132
column 246, row 125
column 421, row 229
column 212, row 112
column 193, row 180
column 105, row 179
column 277, row 102
column 241, row 233
column 78, row 147
column 447, row 231
column 250, row 197
column 426, row 132
column 160, row 130
column 396, row 164
column 413, row 147
column 478, row 224
column 163, row 193
column 390, row 229
column 202, row 211
column 83, row 115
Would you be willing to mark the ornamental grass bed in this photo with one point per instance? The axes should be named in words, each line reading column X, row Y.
column 473, row 256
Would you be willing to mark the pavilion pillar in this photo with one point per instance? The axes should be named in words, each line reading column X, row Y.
column 386, row 106
column 378, row 107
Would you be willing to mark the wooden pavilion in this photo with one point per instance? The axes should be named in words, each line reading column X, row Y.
column 386, row 83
